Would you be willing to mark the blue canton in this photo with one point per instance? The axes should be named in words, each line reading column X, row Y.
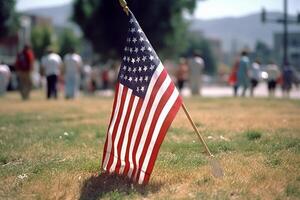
column 139, row 61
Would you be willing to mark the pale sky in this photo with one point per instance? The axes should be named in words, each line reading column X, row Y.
column 208, row 9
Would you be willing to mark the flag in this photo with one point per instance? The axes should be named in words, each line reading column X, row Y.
column 145, row 103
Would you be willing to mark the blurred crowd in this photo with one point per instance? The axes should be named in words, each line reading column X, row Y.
column 69, row 75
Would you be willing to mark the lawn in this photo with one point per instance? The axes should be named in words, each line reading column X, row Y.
column 53, row 150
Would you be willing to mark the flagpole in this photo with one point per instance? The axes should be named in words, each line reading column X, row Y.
column 123, row 3
column 196, row 130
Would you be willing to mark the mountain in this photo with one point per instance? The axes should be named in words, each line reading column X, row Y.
column 233, row 32
column 238, row 32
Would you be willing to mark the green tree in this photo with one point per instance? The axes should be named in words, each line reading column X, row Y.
column 8, row 18
column 105, row 24
column 201, row 45
column 68, row 41
column 41, row 38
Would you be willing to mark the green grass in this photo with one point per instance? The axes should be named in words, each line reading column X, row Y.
column 58, row 146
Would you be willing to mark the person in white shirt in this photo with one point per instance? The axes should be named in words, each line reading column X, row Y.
column 273, row 75
column 196, row 66
column 51, row 64
column 73, row 65
column 254, row 74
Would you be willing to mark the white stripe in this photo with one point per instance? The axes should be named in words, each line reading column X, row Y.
column 125, row 141
column 154, row 78
column 156, row 101
column 158, row 126
column 109, row 138
column 118, row 134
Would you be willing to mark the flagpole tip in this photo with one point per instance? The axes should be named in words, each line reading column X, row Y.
column 123, row 3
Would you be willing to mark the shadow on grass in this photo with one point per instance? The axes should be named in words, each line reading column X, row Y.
column 111, row 185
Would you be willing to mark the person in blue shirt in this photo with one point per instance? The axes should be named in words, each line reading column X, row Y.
column 242, row 73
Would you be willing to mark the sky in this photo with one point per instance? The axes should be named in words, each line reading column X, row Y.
column 207, row 9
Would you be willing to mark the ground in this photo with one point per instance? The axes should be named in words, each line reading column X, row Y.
column 53, row 149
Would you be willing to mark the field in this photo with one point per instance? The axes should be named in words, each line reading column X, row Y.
column 53, row 150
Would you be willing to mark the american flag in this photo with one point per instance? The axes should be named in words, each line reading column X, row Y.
column 146, row 102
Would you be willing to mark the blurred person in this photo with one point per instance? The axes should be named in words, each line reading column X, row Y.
column 273, row 75
column 4, row 78
column 72, row 69
column 242, row 73
column 232, row 80
column 51, row 65
column 287, row 76
column 24, row 66
column 196, row 66
column 87, row 76
column 182, row 73
column 254, row 75
column 105, row 78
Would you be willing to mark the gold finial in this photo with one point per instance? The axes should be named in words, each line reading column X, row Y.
column 123, row 3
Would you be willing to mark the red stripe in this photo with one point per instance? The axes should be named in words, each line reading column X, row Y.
column 158, row 111
column 115, row 128
column 171, row 115
column 134, row 119
column 120, row 144
column 113, row 111
column 156, row 88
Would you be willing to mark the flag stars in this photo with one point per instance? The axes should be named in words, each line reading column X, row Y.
column 126, row 49
column 144, row 58
column 134, row 40
column 136, row 50
column 138, row 59
column 141, row 39
column 152, row 67
column 146, row 78
column 138, row 89
column 140, row 69
column 131, row 20
column 136, row 79
column 143, row 88
column 122, row 76
column 124, row 58
column 141, row 79
column 145, row 68
column 129, row 69
column 130, row 79
column 128, row 59
column 133, row 60
column 139, row 30
column 151, row 57
column 143, row 48
column 134, row 70
column 131, row 50
column 129, row 40
column 149, row 49
column 124, row 67
column 125, row 77
column 132, row 30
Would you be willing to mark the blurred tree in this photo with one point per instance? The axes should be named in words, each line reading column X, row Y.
column 201, row 45
column 41, row 38
column 263, row 52
column 105, row 24
column 8, row 18
column 67, row 41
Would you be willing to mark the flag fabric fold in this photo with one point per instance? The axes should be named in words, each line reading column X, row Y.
column 145, row 104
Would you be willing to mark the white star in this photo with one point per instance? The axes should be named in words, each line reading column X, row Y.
column 140, row 69
column 139, row 30
column 141, row 39
column 132, row 30
column 133, row 60
column 129, row 69
column 130, row 50
column 131, row 20
column 128, row 59
column 124, row 67
column 143, row 48
column 134, row 40
column 151, row 57
column 136, row 79
column 138, row 89
column 136, row 50
column 145, row 68
column 143, row 88
column 130, row 79
column 124, row 58
column 134, row 70
column 149, row 49
column 144, row 58
column 121, row 76
column 152, row 67
column 138, row 59
column 125, row 77
column 141, row 79
column 146, row 78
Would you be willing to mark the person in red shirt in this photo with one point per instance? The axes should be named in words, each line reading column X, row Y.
column 24, row 65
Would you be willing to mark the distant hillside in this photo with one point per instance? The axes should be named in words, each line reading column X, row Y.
column 239, row 31
column 243, row 31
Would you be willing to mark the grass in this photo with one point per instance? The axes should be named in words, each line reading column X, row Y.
column 53, row 150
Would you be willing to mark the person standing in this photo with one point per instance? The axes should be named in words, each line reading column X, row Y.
column 254, row 74
column 51, row 64
column 182, row 73
column 196, row 65
column 232, row 79
column 242, row 73
column 73, row 65
column 273, row 75
column 287, row 75
column 24, row 66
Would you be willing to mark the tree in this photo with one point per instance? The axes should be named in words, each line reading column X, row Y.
column 104, row 24
column 201, row 45
column 8, row 17
column 41, row 38
column 68, row 41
